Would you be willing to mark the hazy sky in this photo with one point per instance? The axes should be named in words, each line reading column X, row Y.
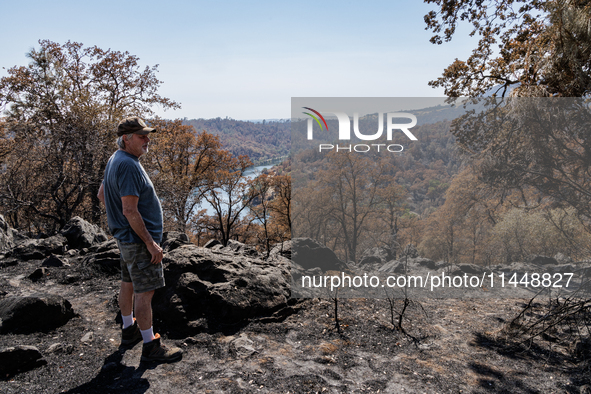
column 245, row 60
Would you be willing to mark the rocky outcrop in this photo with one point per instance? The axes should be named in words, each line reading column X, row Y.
column 218, row 288
column 102, row 259
column 37, row 249
column 81, row 234
column 40, row 313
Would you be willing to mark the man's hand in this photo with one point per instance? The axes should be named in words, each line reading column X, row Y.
column 156, row 252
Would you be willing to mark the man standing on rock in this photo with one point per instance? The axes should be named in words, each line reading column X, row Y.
column 134, row 215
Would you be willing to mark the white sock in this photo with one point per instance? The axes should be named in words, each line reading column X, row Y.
column 148, row 335
column 127, row 320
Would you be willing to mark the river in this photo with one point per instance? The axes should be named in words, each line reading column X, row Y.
column 250, row 174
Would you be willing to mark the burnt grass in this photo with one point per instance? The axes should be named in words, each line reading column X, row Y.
column 450, row 346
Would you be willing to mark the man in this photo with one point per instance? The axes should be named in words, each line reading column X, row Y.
column 134, row 215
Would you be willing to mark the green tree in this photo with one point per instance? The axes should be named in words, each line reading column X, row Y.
column 61, row 113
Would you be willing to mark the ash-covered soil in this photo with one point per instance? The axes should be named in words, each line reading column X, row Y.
column 452, row 346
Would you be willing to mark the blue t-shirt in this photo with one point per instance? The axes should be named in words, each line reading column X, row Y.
column 125, row 176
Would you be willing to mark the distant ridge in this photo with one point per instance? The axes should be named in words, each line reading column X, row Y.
column 266, row 120
column 258, row 139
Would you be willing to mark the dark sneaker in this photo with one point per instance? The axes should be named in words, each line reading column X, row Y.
column 131, row 335
column 156, row 351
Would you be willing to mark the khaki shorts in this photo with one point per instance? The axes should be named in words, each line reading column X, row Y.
column 137, row 268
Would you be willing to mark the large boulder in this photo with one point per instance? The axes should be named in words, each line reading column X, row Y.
column 371, row 263
column 208, row 289
column 377, row 255
column 101, row 260
column 173, row 239
column 542, row 260
column 81, row 234
column 310, row 254
column 19, row 359
column 106, row 262
column 38, row 313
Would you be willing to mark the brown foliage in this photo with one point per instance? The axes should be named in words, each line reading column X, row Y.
column 62, row 110
column 544, row 47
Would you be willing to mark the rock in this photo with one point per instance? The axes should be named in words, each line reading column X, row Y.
column 28, row 250
column 56, row 244
column 54, row 261
column 424, row 262
column 81, row 234
column 408, row 265
column 410, row 251
column 38, row 274
column 391, row 267
column 8, row 262
column 28, row 314
column 55, row 348
column 581, row 348
column 282, row 249
column 242, row 347
column 102, row 247
column 209, row 288
column 37, row 249
column 542, row 260
column 87, row 338
column 381, row 253
column 371, row 263
column 211, row 243
column 309, row 254
column 6, row 235
column 106, row 262
column 19, row 359
column 394, row 267
column 240, row 248
column 471, row 269
column 564, row 268
column 562, row 259
column 174, row 239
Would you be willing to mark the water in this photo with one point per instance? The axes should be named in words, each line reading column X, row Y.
column 250, row 174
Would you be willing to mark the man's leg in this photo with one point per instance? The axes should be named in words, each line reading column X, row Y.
column 130, row 333
column 143, row 314
column 126, row 298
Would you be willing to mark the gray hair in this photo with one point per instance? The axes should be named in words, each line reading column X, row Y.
column 121, row 142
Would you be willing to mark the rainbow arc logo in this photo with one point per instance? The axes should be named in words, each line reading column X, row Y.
column 315, row 118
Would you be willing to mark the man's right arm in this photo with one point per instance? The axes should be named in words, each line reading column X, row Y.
column 137, row 224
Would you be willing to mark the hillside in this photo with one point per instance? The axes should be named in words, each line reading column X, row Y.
column 259, row 141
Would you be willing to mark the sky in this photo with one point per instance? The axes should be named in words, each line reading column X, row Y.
column 245, row 60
